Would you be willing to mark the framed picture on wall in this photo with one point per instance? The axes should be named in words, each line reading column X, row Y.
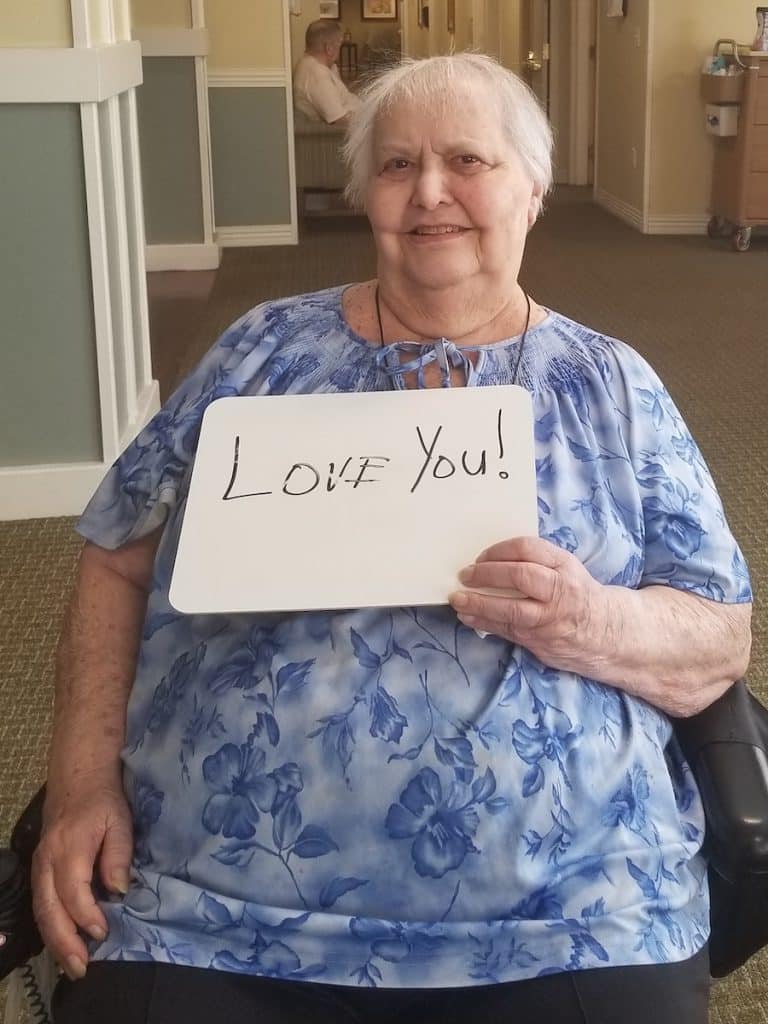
column 330, row 9
column 378, row 10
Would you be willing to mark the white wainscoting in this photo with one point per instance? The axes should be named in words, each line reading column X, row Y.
column 189, row 256
column 63, row 489
column 100, row 74
column 255, row 78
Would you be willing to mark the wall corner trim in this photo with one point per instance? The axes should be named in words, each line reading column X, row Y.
column 69, row 75
column 621, row 209
column 192, row 256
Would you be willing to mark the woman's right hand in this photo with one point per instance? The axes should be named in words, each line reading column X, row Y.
column 86, row 823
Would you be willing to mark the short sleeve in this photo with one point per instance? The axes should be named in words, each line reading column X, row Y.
column 325, row 97
column 688, row 543
column 143, row 485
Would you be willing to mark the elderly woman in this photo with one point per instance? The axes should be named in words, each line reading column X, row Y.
column 463, row 812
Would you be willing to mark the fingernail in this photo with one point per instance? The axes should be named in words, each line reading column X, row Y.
column 459, row 600
column 468, row 620
column 74, row 968
column 97, row 932
column 121, row 881
column 466, row 575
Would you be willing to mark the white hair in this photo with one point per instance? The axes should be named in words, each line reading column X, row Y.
column 436, row 82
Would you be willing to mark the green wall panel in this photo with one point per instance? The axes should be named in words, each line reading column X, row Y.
column 170, row 151
column 49, row 404
column 249, row 144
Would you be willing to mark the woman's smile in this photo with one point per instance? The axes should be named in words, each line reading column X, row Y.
column 436, row 233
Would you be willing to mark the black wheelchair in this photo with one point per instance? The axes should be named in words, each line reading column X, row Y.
column 727, row 748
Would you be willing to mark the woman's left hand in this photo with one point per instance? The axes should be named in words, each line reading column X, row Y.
column 561, row 613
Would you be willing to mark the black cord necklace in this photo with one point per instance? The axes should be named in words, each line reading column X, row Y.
column 522, row 339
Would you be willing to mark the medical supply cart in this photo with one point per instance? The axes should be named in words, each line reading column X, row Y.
column 737, row 115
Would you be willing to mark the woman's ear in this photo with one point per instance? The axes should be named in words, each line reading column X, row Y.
column 534, row 206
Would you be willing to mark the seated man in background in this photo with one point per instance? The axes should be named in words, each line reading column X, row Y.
column 318, row 90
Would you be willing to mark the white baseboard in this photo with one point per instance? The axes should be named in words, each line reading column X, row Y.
column 675, row 224
column 258, row 234
column 659, row 224
column 195, row 256
column 37, row 492
column 624, row 211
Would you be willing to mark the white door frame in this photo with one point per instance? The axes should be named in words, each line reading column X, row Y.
column 582, row 14
column 580, row 114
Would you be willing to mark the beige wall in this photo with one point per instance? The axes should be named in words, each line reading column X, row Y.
column 464, row 36
column 161, row 13
column 439, row 39
column 418, row 37
column 509, row 33
column 681, row 151
column 622, row 97
column 35, row 23
column 245, row 33
column 560, row 85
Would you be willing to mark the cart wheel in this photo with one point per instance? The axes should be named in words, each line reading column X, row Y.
column 717, row 227
column 741, row 239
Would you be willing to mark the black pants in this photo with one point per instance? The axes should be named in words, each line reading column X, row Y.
column 141, row 993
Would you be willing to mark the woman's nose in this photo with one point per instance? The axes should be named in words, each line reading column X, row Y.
column 431, row 188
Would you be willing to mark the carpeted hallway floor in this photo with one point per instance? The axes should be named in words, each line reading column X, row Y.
column 690, row 305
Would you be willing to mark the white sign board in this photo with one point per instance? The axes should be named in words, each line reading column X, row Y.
column 300, row 502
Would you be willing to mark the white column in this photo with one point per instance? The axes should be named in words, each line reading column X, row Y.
column 99, row 73
column 128, row 395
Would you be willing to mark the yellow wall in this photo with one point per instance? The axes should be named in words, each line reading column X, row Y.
column 418, row 37
column 509, row 34
column 681, row 152
column 622, row 89
column 464, row 36
column 439, row 39
column 245, row 33
column 161, row 13
column 35, row 23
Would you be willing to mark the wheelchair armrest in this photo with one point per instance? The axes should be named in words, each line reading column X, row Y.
column 21, row 937
column 726, row 746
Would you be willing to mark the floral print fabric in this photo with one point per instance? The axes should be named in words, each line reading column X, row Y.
column 381, row 796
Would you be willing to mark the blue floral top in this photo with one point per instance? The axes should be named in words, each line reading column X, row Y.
column 382, row 796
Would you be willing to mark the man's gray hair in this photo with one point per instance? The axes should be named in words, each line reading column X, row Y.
column 321, row 32
column 435, row 83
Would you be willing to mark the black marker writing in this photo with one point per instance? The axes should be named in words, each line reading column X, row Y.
column 428, row 453
column 331, row 485
column 228, row 496
column 443, row 467
column 502, row 472
column 303, row 478
column 292, row 470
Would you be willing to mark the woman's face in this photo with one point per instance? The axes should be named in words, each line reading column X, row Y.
column 449, row 200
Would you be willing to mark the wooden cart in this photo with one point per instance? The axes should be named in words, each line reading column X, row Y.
column 740, row 174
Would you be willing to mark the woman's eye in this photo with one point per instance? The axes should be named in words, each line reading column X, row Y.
column 469, row 160
column 397, row 164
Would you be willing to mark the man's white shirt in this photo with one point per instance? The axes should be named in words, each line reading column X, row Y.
column 319, row 92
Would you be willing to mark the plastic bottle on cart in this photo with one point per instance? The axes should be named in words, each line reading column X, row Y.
column 761, row 39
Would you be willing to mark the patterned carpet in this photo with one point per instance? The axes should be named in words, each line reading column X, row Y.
column 691, row 306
